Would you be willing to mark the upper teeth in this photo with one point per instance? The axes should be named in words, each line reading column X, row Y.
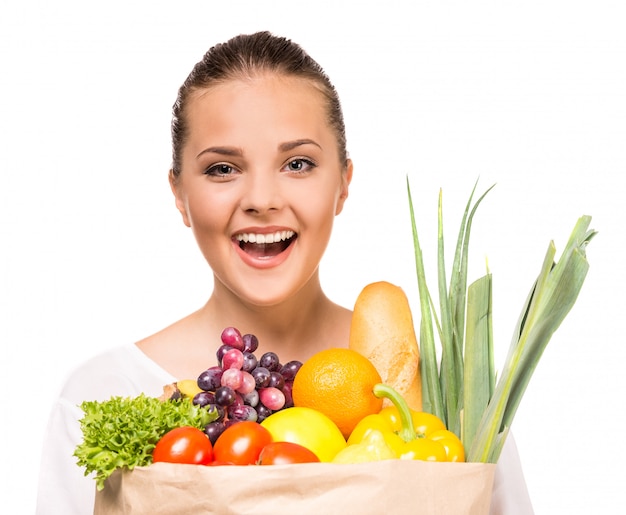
column 265, row 238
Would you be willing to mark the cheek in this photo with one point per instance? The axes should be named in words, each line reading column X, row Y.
column 207, row 212
column 318, row 208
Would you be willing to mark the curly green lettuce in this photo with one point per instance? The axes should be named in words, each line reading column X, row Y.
column 123, row 431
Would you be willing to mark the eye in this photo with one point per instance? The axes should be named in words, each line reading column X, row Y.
column 220, row 170
column 299, row 165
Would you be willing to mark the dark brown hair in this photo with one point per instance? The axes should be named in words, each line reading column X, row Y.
column 245, row 56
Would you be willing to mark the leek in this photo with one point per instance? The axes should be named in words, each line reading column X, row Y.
column 550, row 300
column 461, row 387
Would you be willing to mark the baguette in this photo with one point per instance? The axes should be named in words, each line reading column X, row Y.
column 382, row 330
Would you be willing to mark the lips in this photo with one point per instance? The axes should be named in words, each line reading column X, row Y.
column 265, row 245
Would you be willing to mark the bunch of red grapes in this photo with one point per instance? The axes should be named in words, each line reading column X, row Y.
column 243, row 387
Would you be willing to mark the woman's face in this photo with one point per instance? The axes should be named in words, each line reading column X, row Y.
column 260, row 184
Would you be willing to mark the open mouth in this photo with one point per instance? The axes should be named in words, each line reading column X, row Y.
column 265, row 246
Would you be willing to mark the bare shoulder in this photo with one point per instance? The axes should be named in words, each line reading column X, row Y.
column 180, row 348
column 167, row 335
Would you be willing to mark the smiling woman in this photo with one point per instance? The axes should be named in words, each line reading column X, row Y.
column 259, row 173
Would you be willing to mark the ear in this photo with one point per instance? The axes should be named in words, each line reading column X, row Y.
column 346, row 179
column 176, row 188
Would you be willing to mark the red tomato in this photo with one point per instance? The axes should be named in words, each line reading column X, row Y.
column 184, row 445
column 284, row 453
column 241, row 443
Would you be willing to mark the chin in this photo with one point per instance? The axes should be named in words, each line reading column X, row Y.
column 266, row 294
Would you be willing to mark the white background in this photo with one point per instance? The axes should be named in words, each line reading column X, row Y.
column 531, row 96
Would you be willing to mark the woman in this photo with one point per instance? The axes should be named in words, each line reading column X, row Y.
column 260, row 170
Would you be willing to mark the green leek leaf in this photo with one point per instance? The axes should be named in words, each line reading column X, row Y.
column 551, row 298
column 431, row 388
column 462, row 389
column 479, row 368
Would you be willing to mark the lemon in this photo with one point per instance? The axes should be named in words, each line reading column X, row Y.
column 307, row 427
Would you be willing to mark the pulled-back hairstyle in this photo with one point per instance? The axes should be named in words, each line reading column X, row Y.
column 244, row 57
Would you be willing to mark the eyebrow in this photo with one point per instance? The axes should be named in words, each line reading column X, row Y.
column 237, row 152
column 225, row 151
column 290, row 145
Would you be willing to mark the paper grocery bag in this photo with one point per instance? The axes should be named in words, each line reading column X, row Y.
column 393, row 487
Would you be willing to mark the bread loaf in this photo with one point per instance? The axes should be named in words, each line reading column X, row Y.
column 382, row 330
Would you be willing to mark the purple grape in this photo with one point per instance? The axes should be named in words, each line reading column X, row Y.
column 241, row 413
column 250, row 343
column 290, row 369
column 287, row 389
column 270, row 361
column 214, row 429
column 251, row 399
column 221, row 411
column 261, row 376
column 276, row 380
column 224, row 396
column 249, row 362
column 262, row 412
column 204, row 398
column 238, row 400
column 242, row 386
column 231, row 336
column 210, row 379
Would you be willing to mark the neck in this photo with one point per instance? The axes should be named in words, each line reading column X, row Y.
column 294, row 329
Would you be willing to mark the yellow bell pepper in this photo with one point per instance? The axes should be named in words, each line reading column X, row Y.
column 372, row 447
column 410, row 434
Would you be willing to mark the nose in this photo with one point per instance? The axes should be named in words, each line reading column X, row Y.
column 262, row 193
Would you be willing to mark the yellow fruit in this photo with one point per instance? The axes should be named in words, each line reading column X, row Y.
column 188, row 387
column 338, row 382
column 306, row 427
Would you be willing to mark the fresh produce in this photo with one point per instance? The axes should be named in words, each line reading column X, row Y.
column 307, row 427
column 424, row 423
column 338, row 382
column 188, row 388
column 371, row 447
column 461, row 387
column 242, row 387
column 286, row 453
column 382, row 330
column 184, row 444
column 122, row 432
column 374, row 422
column 241, row 443
column 451, row 443
column 408, row 433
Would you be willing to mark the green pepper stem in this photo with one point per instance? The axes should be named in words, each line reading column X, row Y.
column 407, row 433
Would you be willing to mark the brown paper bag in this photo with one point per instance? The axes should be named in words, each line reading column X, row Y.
column 394, row 487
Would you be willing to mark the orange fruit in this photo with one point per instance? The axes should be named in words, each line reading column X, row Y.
column 338, row 382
